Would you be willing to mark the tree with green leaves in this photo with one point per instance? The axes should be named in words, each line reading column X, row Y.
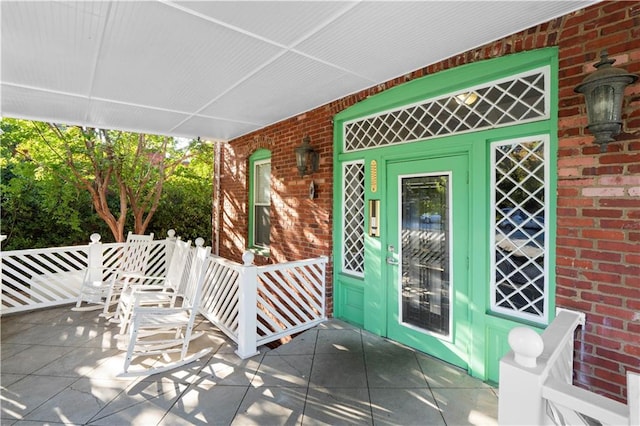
column 123, row 174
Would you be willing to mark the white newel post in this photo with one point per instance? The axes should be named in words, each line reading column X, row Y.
column 521, row 380
column 247, row 308
column 170, row 245
column 94, row 262
column 633, row 397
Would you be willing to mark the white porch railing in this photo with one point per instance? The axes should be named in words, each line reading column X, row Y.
column 41, row 278
column 536, row 382
column 252, row 305
column 256, row 305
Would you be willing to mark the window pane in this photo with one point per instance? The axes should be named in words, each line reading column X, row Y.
column 426, row 261
column 353, row 218
column 499, row 103
column 262, row 226
column 519, row 179
column 263, row 184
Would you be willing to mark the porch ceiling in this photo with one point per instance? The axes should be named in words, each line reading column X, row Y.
column 222, row 69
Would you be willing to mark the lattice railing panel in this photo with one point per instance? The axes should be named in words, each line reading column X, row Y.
column 519, row 209
column 41, row 277
column 353, row 218
column 220, row 295
column 290, row 298
column 520, row 98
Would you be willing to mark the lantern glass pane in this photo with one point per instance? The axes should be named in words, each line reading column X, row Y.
column 602, row 104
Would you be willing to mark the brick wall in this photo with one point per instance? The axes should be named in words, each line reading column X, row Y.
column 598, row 239
column 598, row 242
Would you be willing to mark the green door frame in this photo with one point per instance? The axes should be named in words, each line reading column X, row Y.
column 361, row 300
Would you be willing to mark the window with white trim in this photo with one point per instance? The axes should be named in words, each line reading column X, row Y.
column 260, row 203
column 519, row 224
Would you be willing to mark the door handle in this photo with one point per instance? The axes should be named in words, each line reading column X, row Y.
column 392, row 261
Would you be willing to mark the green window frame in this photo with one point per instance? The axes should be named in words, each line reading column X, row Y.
column 260, row 201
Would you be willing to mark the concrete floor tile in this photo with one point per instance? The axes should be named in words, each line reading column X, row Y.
column 468, row 406
column 404, row 407
column 337, row 406
column 439, row 374
column 283, row 370
column 271, row 406
column 112, row 367
column 345, row 370
column 24, row 396
column 57, row 335
column 39, row 316
column 206, row 404
column 187, row 373
column 26, row 362
column 79, row 362
column 79, row 402
column 12, row 330
column 10, row 349
column 105, row 338
column 210, row 339
column 336, row 324
column 338, row 341
column 69, row 317
column 229, row 369
column 7, row 379
column 143, row 403
column 394, row 370
column 303, row 344
column 372, row 343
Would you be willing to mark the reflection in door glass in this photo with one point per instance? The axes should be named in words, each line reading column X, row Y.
column 425, row 252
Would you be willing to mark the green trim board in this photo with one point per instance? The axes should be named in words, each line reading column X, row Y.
column 258, row 156
column 487, row 331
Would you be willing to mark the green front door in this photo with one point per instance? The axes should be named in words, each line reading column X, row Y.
column 427, row 256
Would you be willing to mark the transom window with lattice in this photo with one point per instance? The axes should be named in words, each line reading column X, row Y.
column 517, row 99
column 519, row 225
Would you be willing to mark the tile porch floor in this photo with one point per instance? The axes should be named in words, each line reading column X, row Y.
column 60, row 366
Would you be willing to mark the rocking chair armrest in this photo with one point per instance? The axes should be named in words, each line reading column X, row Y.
column 142, row 288
column 153, row 311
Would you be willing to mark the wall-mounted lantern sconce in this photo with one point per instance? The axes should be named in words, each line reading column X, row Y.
column 307, row 159
column 603, row 91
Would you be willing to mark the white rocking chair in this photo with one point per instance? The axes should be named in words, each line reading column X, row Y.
column 156, row 291
column 101, row 293
column 169, row 330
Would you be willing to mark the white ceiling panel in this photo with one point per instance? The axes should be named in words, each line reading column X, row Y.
column 285, row 22
column 212, row 128
column 199, row 59
column 102, row 112
column 255, row 101
column 30, row 104
column 51, row 45
column 221, row 69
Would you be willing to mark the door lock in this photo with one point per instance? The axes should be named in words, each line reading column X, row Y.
column 392, row 261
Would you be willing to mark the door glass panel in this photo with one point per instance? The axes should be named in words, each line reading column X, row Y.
column 425, row 256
